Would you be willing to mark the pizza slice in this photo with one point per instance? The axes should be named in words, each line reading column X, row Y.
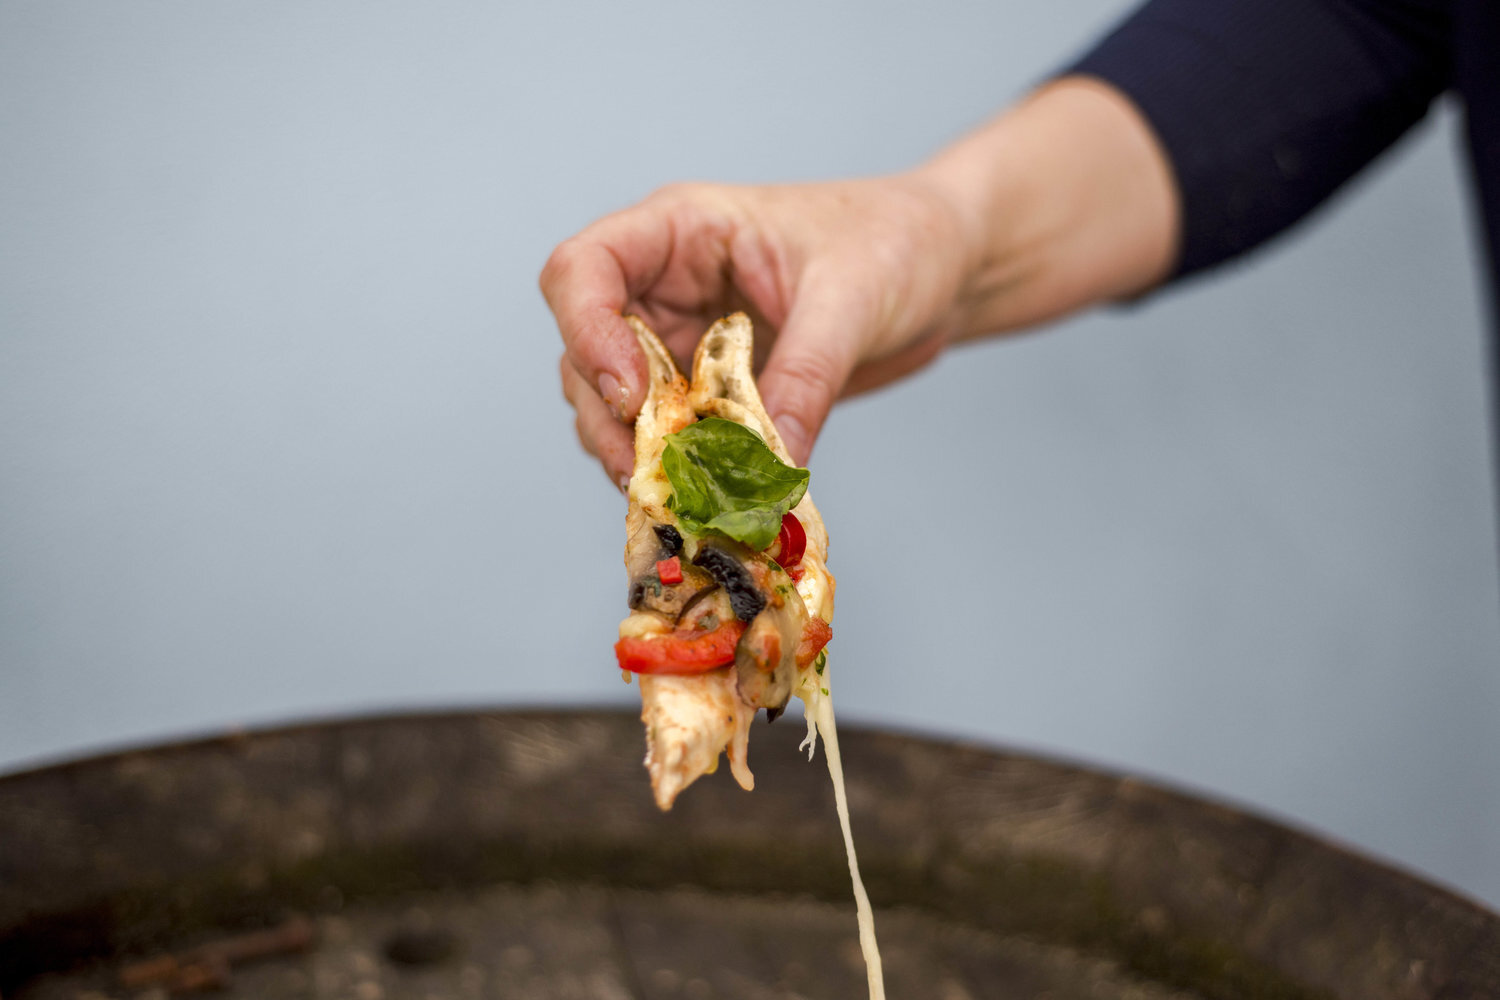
column 730, row 595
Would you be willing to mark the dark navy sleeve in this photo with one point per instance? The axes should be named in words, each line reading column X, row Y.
column 1265, row 107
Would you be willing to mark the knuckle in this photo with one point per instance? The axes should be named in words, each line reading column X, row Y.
column 675, row 191
column 683, row 193
column 559, row 262
column 809, row 373
column 591, row 338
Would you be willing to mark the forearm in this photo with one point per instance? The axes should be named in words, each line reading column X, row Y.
column 1265, row 107
column 1067, row 201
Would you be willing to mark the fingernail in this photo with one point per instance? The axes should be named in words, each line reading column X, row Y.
column 623, row 481
column 613, row 394
column 793, row 435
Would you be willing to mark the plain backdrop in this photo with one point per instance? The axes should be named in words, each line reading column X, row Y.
column 281, row 435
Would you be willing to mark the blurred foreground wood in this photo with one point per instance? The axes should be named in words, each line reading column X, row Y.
column 518, row 854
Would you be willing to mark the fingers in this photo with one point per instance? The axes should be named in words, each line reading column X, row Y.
column 812, row 359
column 588, row 281
column 599, row 432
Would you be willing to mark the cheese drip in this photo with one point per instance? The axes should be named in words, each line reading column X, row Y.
column 820, row 718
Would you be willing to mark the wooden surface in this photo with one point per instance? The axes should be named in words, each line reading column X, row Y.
column 577, row 942
column 532, row 835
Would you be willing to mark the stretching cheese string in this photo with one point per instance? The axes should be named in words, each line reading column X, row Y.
column 820, row 718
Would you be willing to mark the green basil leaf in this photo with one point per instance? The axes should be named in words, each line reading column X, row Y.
column 727, row 481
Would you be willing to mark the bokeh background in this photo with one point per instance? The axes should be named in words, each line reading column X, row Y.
column 281, row 437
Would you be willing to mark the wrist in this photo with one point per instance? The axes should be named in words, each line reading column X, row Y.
column 999, row 204
column 1066, row 200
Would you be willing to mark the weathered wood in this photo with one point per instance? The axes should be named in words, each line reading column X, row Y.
column 532, row 835
column 578, row 942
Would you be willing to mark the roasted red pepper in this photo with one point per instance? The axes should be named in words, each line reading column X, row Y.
column 815, row 635
column 669, row 571
column 684, row 651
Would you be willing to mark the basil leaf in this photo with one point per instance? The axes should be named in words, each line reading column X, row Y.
column 727, row 481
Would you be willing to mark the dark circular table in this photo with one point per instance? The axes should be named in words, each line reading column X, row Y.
column 518, row 855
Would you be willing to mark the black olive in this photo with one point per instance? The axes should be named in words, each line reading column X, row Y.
column 671, row 539
column 731, row 574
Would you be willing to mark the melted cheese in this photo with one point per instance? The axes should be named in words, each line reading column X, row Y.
column 816, row 586
column 641, row 624
column 820, row 717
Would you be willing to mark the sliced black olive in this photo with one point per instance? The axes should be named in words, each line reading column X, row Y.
column 744, row 596
column 671, row 539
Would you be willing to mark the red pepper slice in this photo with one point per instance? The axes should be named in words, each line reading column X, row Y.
column 815, row 635
column 792, row 541
column 685, row 651
column 669, row 571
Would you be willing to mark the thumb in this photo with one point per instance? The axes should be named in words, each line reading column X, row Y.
column 817, row 349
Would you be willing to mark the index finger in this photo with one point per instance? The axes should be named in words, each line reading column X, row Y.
column 588, row 281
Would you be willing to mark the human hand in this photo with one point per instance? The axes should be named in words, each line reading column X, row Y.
column 850, row 284
column 1065, row 201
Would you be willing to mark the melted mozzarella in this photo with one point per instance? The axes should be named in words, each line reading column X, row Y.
column 820, row 717
column 816, row 587
column 642, row 624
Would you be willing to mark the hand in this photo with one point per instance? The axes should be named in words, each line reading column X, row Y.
column 850, row 284
column 1065, row 201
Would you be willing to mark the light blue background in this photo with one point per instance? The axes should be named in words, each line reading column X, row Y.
column 280, row 434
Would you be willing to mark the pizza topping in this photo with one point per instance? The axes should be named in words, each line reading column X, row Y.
column 759, row 664
column 815, row 635
column 671, row 539
column 727, row 481
column 669, row 571
column 692, row 603
column 669, row 594
column 760, row 646
column 791, row 543
column 766, row 659
column 730, row 573
column 683, row 651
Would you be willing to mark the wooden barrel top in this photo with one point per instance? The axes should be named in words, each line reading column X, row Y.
column 518, row 854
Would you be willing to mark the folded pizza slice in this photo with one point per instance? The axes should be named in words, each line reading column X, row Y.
column 730, row 594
